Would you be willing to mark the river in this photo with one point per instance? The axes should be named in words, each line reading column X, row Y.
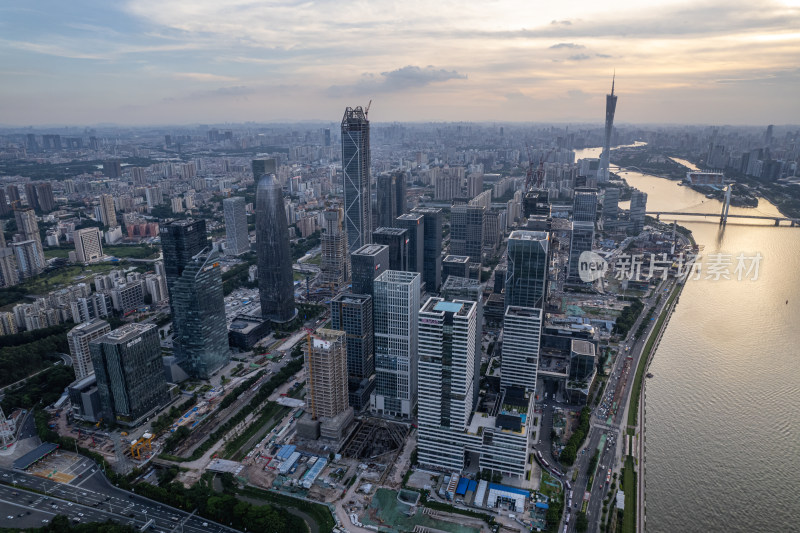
column 723, row 429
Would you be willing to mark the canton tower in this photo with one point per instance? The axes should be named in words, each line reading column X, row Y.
column 611, row 106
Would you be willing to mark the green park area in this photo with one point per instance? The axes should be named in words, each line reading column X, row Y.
column 629, row 487
column 138, row 251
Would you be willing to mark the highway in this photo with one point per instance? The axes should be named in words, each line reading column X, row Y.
column 37, row 499
column 618, row 389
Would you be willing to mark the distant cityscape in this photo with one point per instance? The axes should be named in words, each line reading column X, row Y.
column 356, row 326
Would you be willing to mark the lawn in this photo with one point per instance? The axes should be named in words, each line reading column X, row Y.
column 629, row 487
column 62, row 277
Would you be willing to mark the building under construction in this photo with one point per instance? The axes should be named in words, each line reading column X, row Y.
column 328, row 411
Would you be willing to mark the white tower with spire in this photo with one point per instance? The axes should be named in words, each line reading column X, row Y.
column 611, row 107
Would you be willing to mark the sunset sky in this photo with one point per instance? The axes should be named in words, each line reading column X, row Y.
column 211, row 61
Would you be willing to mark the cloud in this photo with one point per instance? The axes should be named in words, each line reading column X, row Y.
column 405, row 78
column 579, row 57
column 602, row 55
column 560, row 23
column 202, row 76
column 572, row 46
column 235, row 92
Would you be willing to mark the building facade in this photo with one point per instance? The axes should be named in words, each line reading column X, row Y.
column 200, row 337
column 237, row 238
column 526, row 274
column 466, row 231
column 129, row 372
column 522, row 331
column 352, row 313
column 432, row 246
column 356, row 178
column 275, row 278
column 414, row 224
column 78, row 339
column 335, row 265
column 88, row 245
column 395, row 309
column 367, row 263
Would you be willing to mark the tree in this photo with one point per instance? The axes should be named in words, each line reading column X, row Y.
column 581, row 523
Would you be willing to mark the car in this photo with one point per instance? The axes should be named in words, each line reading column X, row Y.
column 45, row 521
column 205, row 524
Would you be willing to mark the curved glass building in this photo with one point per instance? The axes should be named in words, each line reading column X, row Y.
column 275, row 281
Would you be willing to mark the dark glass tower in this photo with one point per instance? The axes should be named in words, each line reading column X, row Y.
column 356, row 178
column 198, row 306
column 367, row 263
column 526, row 277
column 611, row 107
column 352, row 313
column 130, row 375
column 432, row 247
column 414, row 224
column 180, row 242
column 275, row 280
column 584, row 205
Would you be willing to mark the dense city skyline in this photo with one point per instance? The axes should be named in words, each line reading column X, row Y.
column 197, row 62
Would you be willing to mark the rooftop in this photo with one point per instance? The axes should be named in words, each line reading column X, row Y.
column 583, row 347
column 371, row 249
column 456, row 259
column 527, row 235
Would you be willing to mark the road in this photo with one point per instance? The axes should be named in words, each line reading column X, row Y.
column 80, row 503
column 608, row 421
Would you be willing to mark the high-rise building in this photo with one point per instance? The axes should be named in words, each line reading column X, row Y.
column 237, row 238
column 391, row 194
column 522, row 330
column 9, row 274
column 352, row 313
column 108, row 214
column 526, row 274
column 638, row 210
column 397, row 240
column 455, row 265
column 130, row 375
column 30, row 261
column 88, row 245
column 611, row 107
column 474, row 185
column 610, row 211
column 112, row 169
column 180, row 242
column 154, row 196
column 367, row 263
column 263, row 166
column 335, row 264
column 582, row 240
column 466, row 231
column 414, row 224
column 584, row 205
column 5, row 208
column 78, row 339
column 30, row 196
column 432, row 246
column 13, row 194
column 44, row 197
column 200, row 337
column 446, row 377
column 275, row 278
column 326, row 368
column 356, row 178
column 395, row 309
column 447, row 187
column 471, row 290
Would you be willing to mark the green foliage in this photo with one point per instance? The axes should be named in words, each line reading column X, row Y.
column 628, row 316
column 139, row 251
column 581, row 522
column 270, row 411
column 47, row 387
column 302, row 246
column 23, row 354
column 568, row 454
column 222, row 508
column 177, row 436
column 61, row 524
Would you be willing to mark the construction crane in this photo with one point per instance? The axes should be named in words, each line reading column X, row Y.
column 366, row 109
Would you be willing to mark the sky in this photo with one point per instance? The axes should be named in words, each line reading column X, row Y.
column 158, row 62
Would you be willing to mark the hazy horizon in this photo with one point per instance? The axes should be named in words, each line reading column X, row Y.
column 150, row 63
